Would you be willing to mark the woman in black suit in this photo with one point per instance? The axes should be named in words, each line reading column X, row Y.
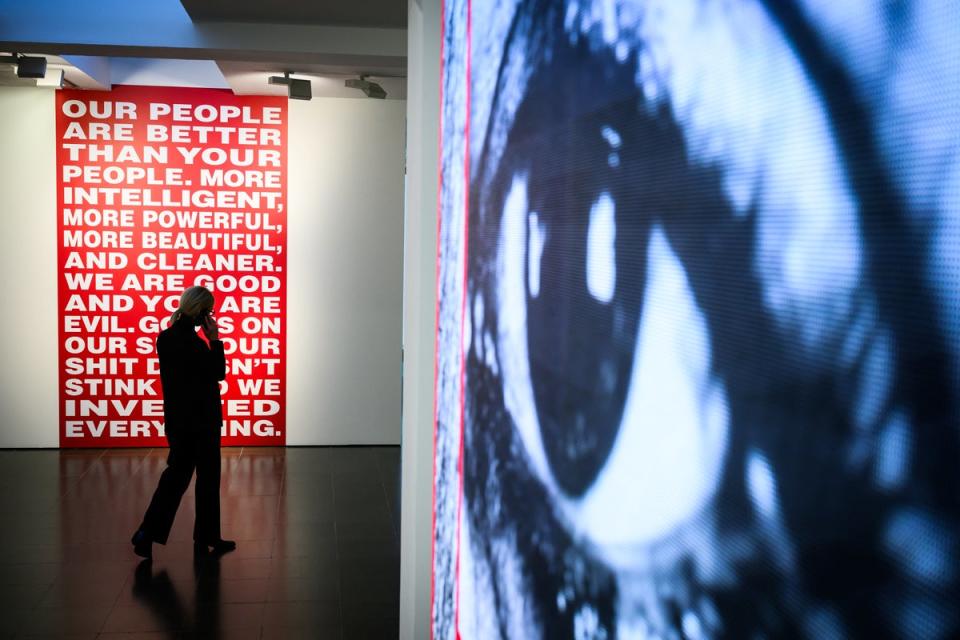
column 190, row 371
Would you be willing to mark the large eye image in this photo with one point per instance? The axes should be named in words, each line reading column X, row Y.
column 592, row 300
column 707, row 386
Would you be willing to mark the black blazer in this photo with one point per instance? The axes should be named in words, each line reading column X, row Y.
column 189, row 375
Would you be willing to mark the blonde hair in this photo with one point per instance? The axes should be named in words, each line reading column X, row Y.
column 193, row 302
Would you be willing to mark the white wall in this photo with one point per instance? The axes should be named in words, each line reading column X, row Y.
column 344, row 286
column 419, row 330
column 28, row 269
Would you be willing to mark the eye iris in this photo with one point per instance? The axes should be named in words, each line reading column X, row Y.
column 582, row 310
column 585, row 255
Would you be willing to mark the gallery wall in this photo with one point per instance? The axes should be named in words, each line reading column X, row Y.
column 28, row 262
column 345, row 195
column 344, row 288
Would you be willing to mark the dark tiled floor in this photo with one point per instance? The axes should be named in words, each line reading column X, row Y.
column 318, row 531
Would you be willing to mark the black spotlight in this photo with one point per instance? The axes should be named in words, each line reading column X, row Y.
column 296, row 89
column 370, row 89
column 27, row 66
column 31, row 67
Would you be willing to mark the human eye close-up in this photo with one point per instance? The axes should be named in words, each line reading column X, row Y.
column 709, row 381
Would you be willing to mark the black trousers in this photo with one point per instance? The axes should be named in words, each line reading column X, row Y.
column 190, row 449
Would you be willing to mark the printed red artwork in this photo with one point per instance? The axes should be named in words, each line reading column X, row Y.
column 160, row 189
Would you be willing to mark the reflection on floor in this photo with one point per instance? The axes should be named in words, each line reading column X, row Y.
column 317, row 529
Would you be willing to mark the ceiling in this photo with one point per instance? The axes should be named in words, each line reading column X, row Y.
column 241, row 44
column 354, row 13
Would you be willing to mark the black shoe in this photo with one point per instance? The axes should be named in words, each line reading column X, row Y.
column 142, row 545
column 217, row 548
column 221, row 547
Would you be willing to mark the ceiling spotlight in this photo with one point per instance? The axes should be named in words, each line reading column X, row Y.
column 27, row 66
column 370, row 89
column 296, row 89
column 31, row 67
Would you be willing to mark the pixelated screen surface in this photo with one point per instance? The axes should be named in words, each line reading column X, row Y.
column 699, row 321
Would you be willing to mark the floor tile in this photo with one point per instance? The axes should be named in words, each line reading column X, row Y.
column 318, row 551
column 83, row 619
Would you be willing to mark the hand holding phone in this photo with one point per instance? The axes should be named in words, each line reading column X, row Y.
column 210, row 328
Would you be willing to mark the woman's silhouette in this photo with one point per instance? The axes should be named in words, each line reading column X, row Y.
column 190, row 371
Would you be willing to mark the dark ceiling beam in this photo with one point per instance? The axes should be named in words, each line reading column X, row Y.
column 389, row 14
column 194, row 53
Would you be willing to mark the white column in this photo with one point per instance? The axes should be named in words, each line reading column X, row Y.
column 419, row 302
